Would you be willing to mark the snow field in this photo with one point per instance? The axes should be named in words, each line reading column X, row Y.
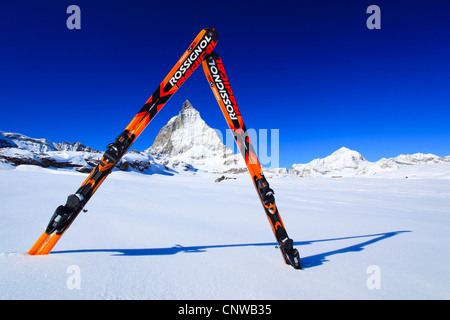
column 186, row 237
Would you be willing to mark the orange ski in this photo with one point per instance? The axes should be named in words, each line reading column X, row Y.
column 40, row 243
column 64, row 215
column 220, row 85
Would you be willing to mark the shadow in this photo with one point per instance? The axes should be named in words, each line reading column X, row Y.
column 151, row 171
column 319, row 259
column 307, row 262
column 164, row 251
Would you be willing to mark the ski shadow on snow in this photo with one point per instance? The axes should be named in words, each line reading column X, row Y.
column 307, row 262
column 319, row 259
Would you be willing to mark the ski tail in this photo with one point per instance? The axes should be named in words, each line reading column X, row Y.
column 220, row 85
column 64, row 215
column 44, row 244
column 40, row 243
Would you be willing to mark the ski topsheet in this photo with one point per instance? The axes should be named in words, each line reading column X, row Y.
column 64, row 215
column 220, row 85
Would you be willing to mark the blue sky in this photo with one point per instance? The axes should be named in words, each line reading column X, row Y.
column 311, row 69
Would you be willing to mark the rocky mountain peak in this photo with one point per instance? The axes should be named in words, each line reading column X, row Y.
column 187, row 138
column 187, row 105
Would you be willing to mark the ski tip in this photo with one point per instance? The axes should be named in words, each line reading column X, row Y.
column 211, row 32
column 212, row 55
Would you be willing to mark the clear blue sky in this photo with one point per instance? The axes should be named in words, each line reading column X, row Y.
column 311, row 69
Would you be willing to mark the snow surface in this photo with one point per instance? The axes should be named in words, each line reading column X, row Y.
column 186, row 237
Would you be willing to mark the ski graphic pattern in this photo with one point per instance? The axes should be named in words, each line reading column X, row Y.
column 220, row 85
column 64, row 215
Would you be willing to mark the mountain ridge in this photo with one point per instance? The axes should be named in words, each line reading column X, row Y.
column 187, row 143
column 346, row 162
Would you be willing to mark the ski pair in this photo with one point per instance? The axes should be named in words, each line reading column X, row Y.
column 200, row 51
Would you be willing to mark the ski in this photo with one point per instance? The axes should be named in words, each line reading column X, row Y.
column 220, row 85
column 64, row 215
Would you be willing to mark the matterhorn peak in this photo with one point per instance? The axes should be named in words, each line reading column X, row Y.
column 187, row 105
column 187, row 138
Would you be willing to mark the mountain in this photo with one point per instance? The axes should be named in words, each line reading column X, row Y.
column 341, row 160
column 20, row 141
column 348, row 163
column 186, row 141
column 411, row 159
column 18, row 149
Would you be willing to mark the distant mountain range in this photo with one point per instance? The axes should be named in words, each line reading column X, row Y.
column 17, row 149
column 345, row 162
column 187, row 143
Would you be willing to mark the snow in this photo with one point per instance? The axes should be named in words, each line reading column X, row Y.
column 154, row 236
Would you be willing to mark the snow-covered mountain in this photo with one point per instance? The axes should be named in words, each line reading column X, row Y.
column 341, row 160
column 348, row 163
column 18, row 149
column 187, row 141
column 20, row 141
